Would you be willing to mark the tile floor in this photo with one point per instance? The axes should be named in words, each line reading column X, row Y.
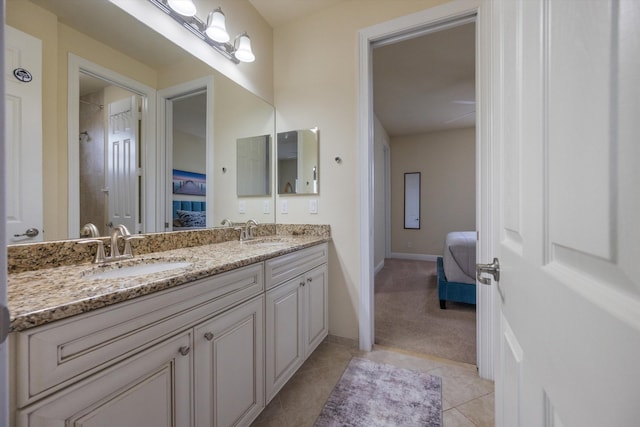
column 467, row 398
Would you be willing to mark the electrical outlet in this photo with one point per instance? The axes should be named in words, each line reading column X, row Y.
column 265, row 207
column 242, row 206
column 284, row 207
column 409, row 244
column 313, row 206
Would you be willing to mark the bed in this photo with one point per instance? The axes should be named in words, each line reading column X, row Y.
column 189, row 214
column 456, row 269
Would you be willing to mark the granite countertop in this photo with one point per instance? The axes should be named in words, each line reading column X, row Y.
column 41, row 296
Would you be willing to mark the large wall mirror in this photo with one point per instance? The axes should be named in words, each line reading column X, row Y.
column 173, row 144
column 298, row 169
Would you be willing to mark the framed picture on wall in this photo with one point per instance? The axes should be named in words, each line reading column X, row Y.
column 191, row 183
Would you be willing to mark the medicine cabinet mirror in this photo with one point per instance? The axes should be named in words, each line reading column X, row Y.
column 298, row 169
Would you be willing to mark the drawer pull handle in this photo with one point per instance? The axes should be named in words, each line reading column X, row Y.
column 184, row 350
column 208, row 336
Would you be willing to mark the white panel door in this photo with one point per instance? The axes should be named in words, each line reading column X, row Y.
column 567, row 134
column 23, row 133
column 122, row 163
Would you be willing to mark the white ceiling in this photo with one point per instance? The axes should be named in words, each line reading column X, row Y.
column 427, row 83
column 420, row 85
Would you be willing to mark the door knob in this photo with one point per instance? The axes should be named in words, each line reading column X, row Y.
column 493, row 269
column 31, row 232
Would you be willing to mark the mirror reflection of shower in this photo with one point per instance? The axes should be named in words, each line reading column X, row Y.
column 95, row 94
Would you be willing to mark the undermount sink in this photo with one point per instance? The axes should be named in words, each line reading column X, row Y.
column 137, row 270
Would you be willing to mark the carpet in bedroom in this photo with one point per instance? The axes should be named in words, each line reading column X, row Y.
column 408, row 314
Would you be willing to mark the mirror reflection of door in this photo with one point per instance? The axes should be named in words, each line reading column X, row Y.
column 109, row 153
column 187, row 137
column 288, row 162
column 253, row 156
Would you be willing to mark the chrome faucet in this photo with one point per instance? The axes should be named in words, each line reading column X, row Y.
column 89, row 230
column 251, row 225
column 227, row 222
column 118, row 231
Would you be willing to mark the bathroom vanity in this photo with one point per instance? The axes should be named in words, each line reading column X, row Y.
column 207, row 343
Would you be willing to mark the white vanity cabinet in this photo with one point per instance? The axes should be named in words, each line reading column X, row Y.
column 152, row 388
column 296, row 312
column 148, row 362
column 205, row 353
column 229, row 362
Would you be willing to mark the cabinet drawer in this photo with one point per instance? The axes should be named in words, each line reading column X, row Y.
column 285, row 267
column 50, row 356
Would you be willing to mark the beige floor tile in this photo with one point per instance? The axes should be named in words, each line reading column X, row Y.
column 466, row 397
column 480, row 410
column 461, row 385
column 453, row 418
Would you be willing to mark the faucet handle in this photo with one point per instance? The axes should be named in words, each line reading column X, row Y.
column 100, row 256
column 127, row 243
column 243, row 233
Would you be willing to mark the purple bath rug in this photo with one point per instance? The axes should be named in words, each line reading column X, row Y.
column 371, row 394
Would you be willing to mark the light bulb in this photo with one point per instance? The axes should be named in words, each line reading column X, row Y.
column 183, row 7
column 243, row 50
column 216, row 29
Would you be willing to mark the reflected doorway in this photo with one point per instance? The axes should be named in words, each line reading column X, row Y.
column 110, row 160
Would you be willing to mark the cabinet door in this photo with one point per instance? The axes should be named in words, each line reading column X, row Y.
column 315, row 308
column 150, row 389
column 284, row 327
column 229, row 366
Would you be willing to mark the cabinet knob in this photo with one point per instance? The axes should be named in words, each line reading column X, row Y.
column 301, row 283
column 184, row 350
column 208, row 336
column 310, row 279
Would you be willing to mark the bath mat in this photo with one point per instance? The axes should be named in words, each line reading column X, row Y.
column 371, row 394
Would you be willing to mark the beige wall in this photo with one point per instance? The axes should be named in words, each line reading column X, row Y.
column 316, row 84
column 446, row 161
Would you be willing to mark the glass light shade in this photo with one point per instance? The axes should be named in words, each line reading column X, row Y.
column 216, row 29
column 243, row 49
column 183, row 7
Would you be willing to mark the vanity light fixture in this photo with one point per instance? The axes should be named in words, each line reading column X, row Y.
column 213, row 32
column 243, row 48
column 216, row 28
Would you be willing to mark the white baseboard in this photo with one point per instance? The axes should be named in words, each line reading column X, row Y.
column 379, row 267
column 418, row 257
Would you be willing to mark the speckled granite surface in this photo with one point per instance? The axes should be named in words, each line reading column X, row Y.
column 55, row 288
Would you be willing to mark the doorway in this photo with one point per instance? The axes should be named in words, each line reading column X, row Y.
column 141, row 183
column 109, row 150
column 185, row 136
column 430, row 20
column 424, row 103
